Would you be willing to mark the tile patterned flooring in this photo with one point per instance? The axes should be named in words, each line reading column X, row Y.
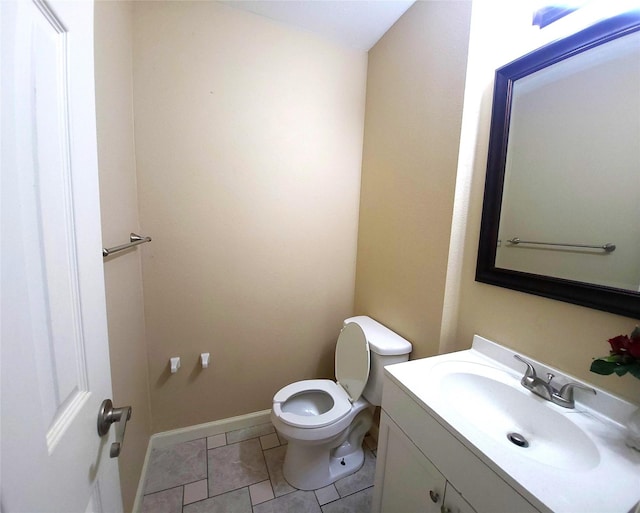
column 241, row 472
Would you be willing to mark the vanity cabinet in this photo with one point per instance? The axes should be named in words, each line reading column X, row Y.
column 422, row 467
column 454, row 503
column 410, row 482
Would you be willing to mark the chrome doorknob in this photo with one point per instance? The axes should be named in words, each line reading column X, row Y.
column 109, row 415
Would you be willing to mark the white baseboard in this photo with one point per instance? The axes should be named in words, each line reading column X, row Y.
column 176, row 436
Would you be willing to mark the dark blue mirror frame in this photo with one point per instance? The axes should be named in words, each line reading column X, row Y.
column 618, row 301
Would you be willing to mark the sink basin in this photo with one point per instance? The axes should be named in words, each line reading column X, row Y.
column 493, row 403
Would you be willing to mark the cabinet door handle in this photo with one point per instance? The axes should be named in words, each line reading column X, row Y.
column 435, row 496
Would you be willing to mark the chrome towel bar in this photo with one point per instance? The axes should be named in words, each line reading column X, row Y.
column 134, row 239
column 608, row 247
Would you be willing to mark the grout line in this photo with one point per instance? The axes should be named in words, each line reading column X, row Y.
column 166, row 489
column 353, row 493
column 273, row 491
column 315, row 495
column 195, row 502
column 268, row 474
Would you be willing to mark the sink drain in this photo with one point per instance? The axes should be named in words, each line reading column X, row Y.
column 518, row 439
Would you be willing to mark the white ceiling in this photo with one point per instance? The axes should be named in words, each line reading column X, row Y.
column 355, row 23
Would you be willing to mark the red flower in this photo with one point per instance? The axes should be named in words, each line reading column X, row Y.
column 623, row 345
column 634, row 347
column 624, row 356
column 619, row 344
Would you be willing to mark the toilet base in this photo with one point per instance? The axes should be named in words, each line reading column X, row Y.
column 309, row 467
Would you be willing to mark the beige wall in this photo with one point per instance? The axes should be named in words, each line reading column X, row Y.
column 119, row 209
column 248, row 147
column 415, row 88
column 564, row 335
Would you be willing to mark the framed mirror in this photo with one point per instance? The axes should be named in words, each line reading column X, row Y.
column 561, row 212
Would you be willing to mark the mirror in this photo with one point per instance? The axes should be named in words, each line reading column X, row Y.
column 561, row 213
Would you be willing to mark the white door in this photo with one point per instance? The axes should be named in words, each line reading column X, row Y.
column 54, row 359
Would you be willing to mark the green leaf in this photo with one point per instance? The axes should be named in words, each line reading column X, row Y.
column 635, row 370
column 621, row 370
column 600, row 366
column 636, row 332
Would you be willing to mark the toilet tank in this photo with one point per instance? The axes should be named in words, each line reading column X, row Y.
column 385, row 348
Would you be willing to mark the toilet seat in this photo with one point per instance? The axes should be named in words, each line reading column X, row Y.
column 352, row 373
column 341, row 403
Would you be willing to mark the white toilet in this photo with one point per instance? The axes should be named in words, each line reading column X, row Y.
column 324, row 421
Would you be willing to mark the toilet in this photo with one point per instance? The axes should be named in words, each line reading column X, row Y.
column 324, row 421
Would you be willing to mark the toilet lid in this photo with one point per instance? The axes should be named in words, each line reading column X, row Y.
column 352, row 360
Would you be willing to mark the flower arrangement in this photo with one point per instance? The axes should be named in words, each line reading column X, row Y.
column 624, row 356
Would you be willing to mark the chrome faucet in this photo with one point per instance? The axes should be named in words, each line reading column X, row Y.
column 562, row 397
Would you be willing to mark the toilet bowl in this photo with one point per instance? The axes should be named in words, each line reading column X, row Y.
column 324, row 421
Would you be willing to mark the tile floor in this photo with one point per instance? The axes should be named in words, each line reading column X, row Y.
column 241, row 472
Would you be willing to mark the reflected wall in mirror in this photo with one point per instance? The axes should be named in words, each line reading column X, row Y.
column 561, row 214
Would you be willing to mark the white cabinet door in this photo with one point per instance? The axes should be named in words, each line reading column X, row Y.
column 55, row 358
column 406, row 481
column 454, row 503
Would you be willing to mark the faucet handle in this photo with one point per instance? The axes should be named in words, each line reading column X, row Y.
column 565, row 396
column 530, row 373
